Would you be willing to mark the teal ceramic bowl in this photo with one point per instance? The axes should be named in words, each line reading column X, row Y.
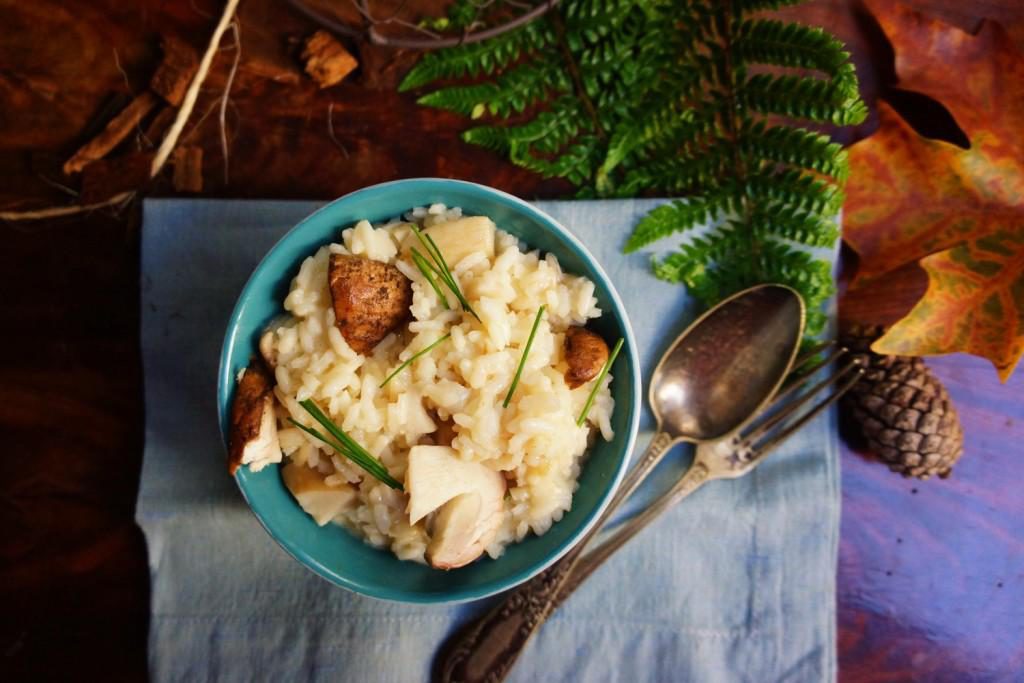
column 331, row 551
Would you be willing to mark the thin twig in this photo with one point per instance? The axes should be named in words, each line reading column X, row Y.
column 415, row 27
column 139, row 133
column 58, row 211
column 205, row 15
column 401, row 6
column 59, row 186
column 237, row 31
column 202, row 119
column 124, row 74
column 189, row 102
column 330, row 130
column 363, row 10
column 376, row 38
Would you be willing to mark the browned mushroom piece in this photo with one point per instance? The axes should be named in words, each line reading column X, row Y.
column 586, row 353
column 253, row 438
column 370, row 299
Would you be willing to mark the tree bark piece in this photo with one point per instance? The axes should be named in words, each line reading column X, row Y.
column 188, row 169
column 175, row 71
column 117, row 130
column 326, row 60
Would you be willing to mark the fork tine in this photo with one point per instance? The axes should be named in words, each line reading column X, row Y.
column 797, row 376
column 772, row 409
column 763, row 449
column 812, row 352
column 792, row 407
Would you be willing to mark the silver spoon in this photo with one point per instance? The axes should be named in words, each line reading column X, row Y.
column 716, row 375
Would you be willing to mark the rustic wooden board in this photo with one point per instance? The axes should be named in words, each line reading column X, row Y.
column 931, row 583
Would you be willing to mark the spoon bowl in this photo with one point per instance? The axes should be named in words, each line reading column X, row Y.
column 727, row 363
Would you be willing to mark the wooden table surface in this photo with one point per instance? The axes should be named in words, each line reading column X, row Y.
column 931, row 574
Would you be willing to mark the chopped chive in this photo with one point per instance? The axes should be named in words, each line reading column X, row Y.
column 425, row 268
column 416, row 355
column 374, row 468
column 441, row 268
column 597, row 383
column 522, row 360
column 352, row 450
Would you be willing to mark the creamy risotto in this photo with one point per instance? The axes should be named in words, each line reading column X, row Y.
column 438, row 425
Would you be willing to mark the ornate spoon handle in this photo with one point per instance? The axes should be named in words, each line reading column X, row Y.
column 697, row 475
column 487, row 648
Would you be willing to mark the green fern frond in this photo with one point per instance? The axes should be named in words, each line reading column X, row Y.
column 624, row 97
column 512, row 92
column 801, row 97
column 810, row 276
column 675, row 217
column 794, row 189
column 684, row 174
column 474, row 59
column 779, row 220
column 797, row 147
column 767, row 41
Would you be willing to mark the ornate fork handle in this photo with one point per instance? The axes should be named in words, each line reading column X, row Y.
column 487, row 648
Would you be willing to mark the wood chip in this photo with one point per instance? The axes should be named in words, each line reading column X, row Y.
column 188, row 169
column 117, row 130
column 175, row 72
column 105, row 178
column 327, row 61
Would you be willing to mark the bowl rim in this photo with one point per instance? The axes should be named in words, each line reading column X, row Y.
column 225, row 386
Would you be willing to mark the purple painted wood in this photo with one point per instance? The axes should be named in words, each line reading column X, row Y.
column 931, row 574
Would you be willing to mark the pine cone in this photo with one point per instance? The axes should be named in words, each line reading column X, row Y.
column 902, row 410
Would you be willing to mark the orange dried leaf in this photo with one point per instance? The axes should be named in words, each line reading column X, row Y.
column 960, row 213
column 974, row 303
column 909, row 196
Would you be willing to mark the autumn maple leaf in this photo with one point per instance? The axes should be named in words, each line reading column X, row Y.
column 959, row 213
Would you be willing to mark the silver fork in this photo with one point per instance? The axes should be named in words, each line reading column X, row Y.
column 498, row 632
column 732, row 456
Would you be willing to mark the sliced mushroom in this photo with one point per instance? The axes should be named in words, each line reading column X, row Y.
column 436, row 475
column 320, row 501
column 370, row 299
column 253, row 438
column 586, row 353
column 457, row 239
column 465, row 526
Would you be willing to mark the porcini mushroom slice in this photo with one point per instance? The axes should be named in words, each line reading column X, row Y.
column 253, row 437
column 586, row 353
column 465, row 526
column 436, row 475
column 457, row 239
column 370, row 299
column 320, row 501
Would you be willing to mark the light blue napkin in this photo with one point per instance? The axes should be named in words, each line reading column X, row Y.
column 735, row 584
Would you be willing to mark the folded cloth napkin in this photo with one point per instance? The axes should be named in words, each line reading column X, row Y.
column 735, row 584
